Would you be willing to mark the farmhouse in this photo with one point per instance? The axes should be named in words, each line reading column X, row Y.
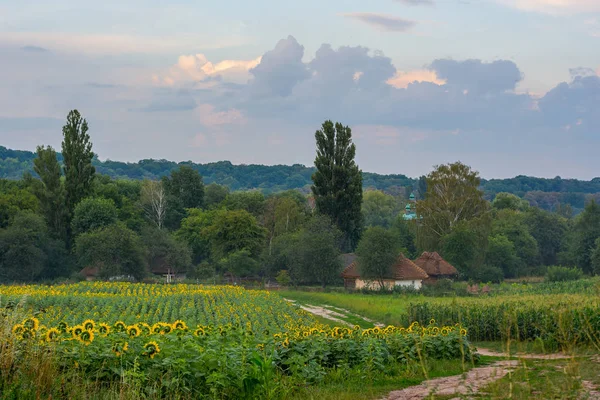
column 435, row 266
column 403, row 273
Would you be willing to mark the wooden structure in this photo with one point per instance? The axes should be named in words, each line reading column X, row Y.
column 436, row 267
column 403, row 273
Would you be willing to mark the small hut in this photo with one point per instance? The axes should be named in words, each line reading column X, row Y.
column 435, row 266
column 403, row 273
column 90, row 273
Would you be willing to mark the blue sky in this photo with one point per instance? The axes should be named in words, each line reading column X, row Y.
column 508, row 86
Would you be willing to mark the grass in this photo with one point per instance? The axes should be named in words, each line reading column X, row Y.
column 384, row 309
column 545, row 379
column 360, row 386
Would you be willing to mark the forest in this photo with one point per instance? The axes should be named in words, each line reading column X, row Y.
column 70, row 213
column 548, row 194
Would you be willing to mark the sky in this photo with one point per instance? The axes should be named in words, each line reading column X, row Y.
column 510, row 87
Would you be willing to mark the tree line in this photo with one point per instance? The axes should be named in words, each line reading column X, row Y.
column 69, row 217
column 565, row 195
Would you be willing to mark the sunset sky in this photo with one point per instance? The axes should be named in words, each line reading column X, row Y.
column 511, row 87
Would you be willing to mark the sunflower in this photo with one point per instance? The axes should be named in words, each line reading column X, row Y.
column 200, row 332
column 77, row 330
column 31, row 323
column 156, row 328
column 120, row 326
column 86, row 337
column 145, row 328
column 62, row 327
column 27, row 334
column 166, row 328
column 51, row 335
column 133, row 331
column 445, row 331
column 151, row 349
column 120, row 348
column 104, row 329
column 180, row 325
column 89, row 325
column 463, row 332
column 18, row 329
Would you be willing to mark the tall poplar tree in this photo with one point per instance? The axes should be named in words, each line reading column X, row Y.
column 77, row 153
column 337, row 182
column 52, row 192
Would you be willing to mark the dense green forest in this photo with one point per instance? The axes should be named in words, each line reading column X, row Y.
column 69, row 214
column 548, row 194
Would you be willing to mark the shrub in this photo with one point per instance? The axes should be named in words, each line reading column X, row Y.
column 563, row 274
column 283, row 278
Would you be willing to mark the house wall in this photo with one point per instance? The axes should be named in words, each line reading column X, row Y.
column 388, row 283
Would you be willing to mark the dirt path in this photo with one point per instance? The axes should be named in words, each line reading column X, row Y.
column 463, row 384
column 326, row 313
column 492, row 353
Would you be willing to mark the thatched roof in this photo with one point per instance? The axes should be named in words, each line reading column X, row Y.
column 404, row 270
column 89, row 271
column 435, row 265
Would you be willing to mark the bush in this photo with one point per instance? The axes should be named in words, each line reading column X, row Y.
column 489, row 274
column 283, row 278
column 563, row 274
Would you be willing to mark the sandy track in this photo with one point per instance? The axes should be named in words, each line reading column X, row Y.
column 468, row 383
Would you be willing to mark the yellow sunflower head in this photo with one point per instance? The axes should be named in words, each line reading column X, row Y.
column 86, row 337
column 52, row 335
column 120, row 326
column 133, row 331
column 18, row 329
column 77, row 330
column 89, row 325
column 31, row 323
column 156, row 328
column 151, row 349
column 104, row 329
column 119, row 348
column 179, row 325
column 200, row 332
column 63, row 327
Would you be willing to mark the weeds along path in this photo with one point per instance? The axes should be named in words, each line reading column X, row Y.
column 465, row 384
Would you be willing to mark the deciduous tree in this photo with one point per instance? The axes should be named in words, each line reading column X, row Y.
column 377, row 252
column 52, row 195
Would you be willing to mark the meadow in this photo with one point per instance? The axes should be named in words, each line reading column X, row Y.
column 123, row 340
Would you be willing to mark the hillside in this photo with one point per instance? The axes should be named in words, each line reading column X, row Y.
column 542, row 192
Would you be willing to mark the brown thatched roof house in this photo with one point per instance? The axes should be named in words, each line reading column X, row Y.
column 403, row 273
column 435, row 266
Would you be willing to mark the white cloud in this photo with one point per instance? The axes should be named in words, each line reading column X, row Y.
column 195, row 68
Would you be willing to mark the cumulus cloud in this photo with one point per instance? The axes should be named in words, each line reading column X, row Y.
column 449, row 107
column 382, row 22
column 475, row 75
column 280, row 69
column 575, row 103
column 197, row 68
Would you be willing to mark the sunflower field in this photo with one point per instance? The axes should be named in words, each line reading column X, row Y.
column 204, row 342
